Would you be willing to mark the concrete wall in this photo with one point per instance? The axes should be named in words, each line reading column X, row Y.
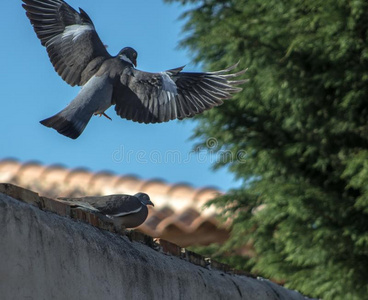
column 47, row 256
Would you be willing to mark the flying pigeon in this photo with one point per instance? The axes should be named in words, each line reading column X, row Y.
column 123, row 210
column 80, row 58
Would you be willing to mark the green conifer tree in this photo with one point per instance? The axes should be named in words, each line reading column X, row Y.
column 302, row 123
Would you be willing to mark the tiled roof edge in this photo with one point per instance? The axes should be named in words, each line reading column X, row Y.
column 71, row 171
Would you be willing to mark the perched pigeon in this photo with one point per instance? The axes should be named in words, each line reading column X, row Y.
column 80, row 58
column 124, row 210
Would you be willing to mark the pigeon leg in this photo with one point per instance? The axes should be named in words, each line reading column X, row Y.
column 103, row 114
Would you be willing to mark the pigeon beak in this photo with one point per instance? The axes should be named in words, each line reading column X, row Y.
column 134, row 62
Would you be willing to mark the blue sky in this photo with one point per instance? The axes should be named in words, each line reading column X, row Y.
column 31, row 91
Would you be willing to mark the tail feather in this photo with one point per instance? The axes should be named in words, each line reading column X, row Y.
column 70, row 128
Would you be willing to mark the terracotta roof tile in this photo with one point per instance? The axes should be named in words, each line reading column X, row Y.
column 126, row 184
column 102, row 181
column 8, row 169
column 30, row 170
column 178, row 215
column 182, row 192
column 79, row 178
column 54, row 174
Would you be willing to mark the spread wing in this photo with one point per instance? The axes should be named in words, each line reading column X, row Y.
column 70, row 38
column 159, row 97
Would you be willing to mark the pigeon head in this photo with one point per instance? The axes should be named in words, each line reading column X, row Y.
column 129, row 55
column 144, row 198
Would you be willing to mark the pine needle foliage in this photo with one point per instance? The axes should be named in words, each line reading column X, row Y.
column 297, row 134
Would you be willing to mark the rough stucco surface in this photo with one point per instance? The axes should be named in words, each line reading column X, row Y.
column 46, row 256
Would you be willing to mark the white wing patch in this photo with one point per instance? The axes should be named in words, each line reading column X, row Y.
column 126, row 213
column 125, row 58
column 76, row 31
column 169, row 89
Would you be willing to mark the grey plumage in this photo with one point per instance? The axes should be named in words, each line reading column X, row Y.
column 93, row 98
column 123, row 210
column 80, row 58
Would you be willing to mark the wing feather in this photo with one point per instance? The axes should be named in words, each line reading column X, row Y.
column 160, row 97
column 70, row 38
